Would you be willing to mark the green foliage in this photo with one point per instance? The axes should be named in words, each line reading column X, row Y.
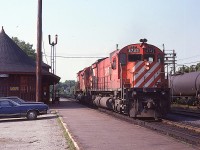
column 192, row 68
column 26, row 47
column 66, row 88
column 198, row 67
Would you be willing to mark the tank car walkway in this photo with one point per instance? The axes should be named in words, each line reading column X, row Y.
column 93, row 130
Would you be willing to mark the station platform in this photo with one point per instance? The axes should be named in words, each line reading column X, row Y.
column 93, row 130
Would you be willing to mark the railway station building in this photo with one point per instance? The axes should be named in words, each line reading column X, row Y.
column 18, row 72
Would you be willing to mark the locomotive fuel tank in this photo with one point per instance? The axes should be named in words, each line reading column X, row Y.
column 105, row 102
column 187, row 84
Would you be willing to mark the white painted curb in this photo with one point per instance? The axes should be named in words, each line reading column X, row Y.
column 66, row 129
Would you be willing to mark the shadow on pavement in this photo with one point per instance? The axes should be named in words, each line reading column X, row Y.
column 67, row 104
column 2, row 120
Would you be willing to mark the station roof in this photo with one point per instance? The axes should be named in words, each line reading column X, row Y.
column 13, row 60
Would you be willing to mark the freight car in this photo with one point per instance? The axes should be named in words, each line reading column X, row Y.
column 130, row 81
column 186, row 87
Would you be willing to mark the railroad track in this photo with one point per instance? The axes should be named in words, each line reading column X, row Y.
column 182, row 125
column 182, row 132
column 186, row 112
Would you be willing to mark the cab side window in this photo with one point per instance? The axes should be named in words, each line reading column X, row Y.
column 114, row 64
column 160, row 59
column 122, row 59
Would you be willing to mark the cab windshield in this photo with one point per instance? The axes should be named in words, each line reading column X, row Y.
column 135, row 57
column 149, row 57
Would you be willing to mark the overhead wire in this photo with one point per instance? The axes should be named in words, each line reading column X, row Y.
column 77, row 56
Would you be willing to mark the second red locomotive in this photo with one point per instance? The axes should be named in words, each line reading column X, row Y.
column 131, row 81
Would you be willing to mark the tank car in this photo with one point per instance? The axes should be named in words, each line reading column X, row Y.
column 130, row 81
column 186, row 86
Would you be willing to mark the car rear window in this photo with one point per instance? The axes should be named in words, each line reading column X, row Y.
column 5, row 103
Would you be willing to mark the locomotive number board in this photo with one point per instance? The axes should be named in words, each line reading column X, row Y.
column 149, row 50
column 133, row 50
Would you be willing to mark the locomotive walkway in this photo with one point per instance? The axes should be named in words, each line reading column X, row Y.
column 93, row 130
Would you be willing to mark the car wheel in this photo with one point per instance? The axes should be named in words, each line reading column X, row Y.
column 31, row 115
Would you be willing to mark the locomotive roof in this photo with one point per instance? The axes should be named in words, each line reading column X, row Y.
column 99, row 60
column 140, row 44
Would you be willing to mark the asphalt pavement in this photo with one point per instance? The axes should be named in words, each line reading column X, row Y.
column 92, row 130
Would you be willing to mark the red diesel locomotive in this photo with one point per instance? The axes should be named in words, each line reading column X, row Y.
column 130, row 81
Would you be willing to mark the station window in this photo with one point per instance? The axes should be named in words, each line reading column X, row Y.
column 149, row 57
column 135, row 57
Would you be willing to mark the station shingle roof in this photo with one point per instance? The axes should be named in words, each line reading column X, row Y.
column 14, row 60
column 12, row 57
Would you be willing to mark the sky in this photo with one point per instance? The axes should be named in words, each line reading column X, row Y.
column 92, row 28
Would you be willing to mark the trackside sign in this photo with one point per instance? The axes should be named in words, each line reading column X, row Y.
column 4, row 75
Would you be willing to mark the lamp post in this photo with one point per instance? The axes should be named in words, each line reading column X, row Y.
column 53, row 62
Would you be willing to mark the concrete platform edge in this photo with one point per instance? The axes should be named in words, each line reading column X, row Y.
column 66, row 129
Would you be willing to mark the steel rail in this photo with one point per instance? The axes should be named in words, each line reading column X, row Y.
column 186, row 112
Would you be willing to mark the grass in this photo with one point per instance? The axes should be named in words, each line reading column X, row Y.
column 70, row 143
column 184, row 106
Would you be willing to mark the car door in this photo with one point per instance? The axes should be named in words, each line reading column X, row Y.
column 8, row 109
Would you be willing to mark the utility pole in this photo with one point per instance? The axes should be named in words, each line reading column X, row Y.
column 170, row 59
column 53, row 63
column 39, row 53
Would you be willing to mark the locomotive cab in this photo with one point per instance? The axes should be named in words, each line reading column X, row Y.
column 143, row 83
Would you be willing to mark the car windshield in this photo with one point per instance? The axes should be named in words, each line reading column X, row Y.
column 15, row 103
column 18, row 100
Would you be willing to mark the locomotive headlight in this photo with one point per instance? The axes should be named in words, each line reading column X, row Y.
column 147, row 65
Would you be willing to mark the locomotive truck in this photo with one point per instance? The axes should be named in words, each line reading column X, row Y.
column 130, row 81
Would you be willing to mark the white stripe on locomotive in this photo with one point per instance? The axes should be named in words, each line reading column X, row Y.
column 149, row 72
column 153, row 78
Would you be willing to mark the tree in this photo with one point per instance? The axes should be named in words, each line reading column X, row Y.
column 66, row 88
column 198, row 67
column 192, row 68
column 184, row 69
column 26, row 47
